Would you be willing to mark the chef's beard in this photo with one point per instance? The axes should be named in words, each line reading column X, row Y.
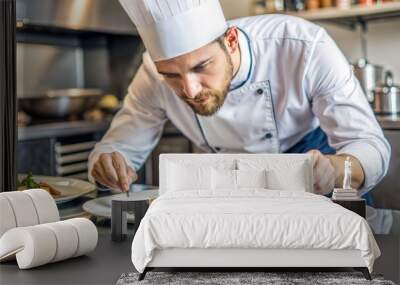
column 216, row 98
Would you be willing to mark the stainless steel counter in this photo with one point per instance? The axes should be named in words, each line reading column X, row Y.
column 389, row 122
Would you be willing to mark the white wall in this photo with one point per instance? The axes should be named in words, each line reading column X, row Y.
column 383, row 37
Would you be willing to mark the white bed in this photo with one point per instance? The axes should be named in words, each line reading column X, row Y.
column 202, row 219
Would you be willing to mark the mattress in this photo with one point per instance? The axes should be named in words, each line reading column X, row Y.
column 250, row 219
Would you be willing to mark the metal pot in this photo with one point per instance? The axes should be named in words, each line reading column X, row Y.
column 387, row 97
column 61, row 103
column 369, row 75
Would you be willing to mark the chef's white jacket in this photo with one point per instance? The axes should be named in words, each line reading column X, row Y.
column 292, row 79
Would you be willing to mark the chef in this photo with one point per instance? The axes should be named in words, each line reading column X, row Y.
column 264, row 84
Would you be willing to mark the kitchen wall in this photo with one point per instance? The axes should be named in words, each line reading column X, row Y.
column 383, row 43
column 236, row 8
column 383, row 38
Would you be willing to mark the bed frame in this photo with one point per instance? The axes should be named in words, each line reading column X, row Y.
column 241, row 260
column 246, row 259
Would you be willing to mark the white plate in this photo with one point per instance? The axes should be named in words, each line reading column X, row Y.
column 101, row 207
column 70, row 188
column 133, row 188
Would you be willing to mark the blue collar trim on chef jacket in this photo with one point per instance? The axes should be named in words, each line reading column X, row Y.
column 246, row 64
column 317, row 139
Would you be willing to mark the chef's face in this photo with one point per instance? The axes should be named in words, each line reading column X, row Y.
column 200, row 78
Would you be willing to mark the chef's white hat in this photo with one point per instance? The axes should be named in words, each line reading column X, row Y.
column 170, row 28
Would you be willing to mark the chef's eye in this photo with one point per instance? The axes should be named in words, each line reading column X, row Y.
column 201, row 67
column 170, row 75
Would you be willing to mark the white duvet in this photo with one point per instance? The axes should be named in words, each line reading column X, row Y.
column 250, row 219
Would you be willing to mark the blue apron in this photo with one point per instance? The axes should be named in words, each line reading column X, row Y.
column 317, row 139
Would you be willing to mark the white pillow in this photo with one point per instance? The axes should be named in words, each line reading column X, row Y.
column 223, row 179
column 283, row 173
column 183, row 177
column 230, row 180
column 292, row 179
column 251, row 178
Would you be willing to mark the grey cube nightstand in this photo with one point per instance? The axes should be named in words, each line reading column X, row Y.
column 138, row 202
column 358, row 206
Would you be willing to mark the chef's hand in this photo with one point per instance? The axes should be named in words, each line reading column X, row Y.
column 112, row 171
column 324, row 173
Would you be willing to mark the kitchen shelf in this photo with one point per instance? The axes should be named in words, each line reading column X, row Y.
column 61, row 129
column 356, row 14
column 355, row 11
column 28, row 27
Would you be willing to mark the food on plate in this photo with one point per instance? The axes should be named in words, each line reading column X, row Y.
column 109, row 101
column 29, row 183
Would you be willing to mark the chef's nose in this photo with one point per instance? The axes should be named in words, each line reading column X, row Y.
column 191, row 86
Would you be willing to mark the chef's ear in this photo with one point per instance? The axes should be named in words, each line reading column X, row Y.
column 231, row 39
